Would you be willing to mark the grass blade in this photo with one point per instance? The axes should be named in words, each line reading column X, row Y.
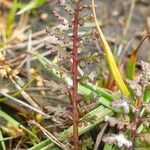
column 110, row 58
column 18, row 126
column 82, row 89
column 31, row 5
column 100, row 112
column 11, row 18
column 108, row 147
column 133, row 59
column 19, row 91
column 2, row 141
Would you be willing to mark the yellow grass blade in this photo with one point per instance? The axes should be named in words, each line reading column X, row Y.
column 109, row 56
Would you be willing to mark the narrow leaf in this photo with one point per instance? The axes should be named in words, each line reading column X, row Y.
column 19, row 91
column 11, row 18
column 109, row 57
column 31, row 5
column 133, row 59
column 2, row 141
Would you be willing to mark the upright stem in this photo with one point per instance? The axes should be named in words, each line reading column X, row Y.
column 75, row 76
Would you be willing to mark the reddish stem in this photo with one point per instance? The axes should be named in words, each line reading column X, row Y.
column 75, row 76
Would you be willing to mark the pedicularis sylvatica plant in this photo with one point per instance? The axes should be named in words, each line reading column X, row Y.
column 125, row 113
column 74, row 40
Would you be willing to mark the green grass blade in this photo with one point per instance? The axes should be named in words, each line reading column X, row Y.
column 146, row 99
column 11, row 18
column 108, row 147
column 100, row 112
column 130, row 71
column 99, row 90
column 131, row 67
column 31, row 5
column 147, row 94
column 2, row 141
column 19, row 92
column 15, row 124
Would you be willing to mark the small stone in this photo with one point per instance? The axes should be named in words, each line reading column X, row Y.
column 44, row 16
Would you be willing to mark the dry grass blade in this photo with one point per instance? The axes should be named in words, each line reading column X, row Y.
column 49, row 135
column 18, row 128
column 109, row 57
column 99, row 137
column 25, row 95
column 25, row 104
column 129, row 18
